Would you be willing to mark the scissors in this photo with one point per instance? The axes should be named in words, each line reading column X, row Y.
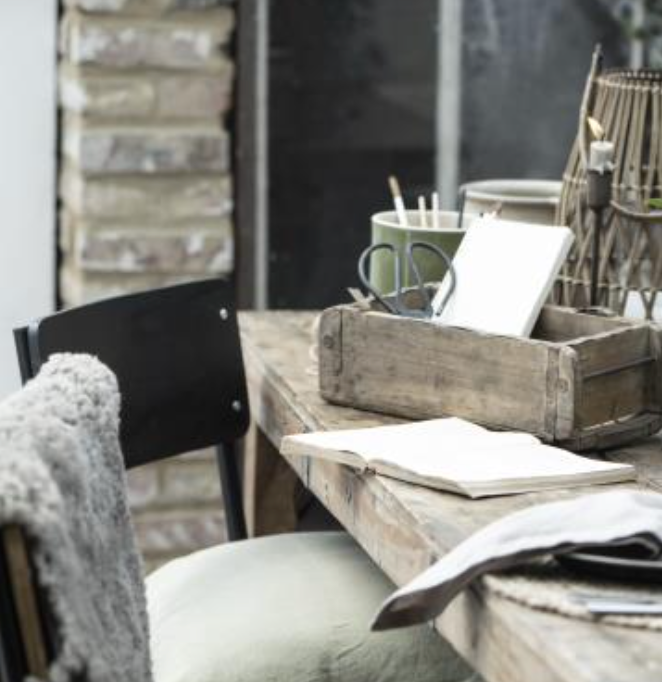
column 397, row 307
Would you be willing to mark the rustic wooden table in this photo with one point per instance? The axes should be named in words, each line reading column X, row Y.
column 405, row 528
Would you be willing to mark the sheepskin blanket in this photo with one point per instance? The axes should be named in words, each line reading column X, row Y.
column 62, row 480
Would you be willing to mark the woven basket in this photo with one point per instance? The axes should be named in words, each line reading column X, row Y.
column 628, row 104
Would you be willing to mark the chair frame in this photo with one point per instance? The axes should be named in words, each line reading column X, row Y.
column 25, row 639
column 28, row 638
column 227, row 452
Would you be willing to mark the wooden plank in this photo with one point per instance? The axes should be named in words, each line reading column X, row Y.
column 559, row 324
column 404, row 528
column 269, row 487
column 645, row 454
column 655, row 388
column 616, row 369
column 612, row 349
column 614, row 396
column 564, row 392
column 330, row 337
column 615, row 434
column 25, row 599
column 414, row 369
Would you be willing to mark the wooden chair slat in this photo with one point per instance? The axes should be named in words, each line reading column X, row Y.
column 25, row 600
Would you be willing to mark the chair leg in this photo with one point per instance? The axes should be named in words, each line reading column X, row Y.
column 228, row 466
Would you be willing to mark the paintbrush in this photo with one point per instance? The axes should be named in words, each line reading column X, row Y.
column 398, row 202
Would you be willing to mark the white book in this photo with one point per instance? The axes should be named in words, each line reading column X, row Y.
column 505, row 272
column 458, row 456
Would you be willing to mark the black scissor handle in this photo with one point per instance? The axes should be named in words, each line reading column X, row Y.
column 420, row 284
column 365, row 281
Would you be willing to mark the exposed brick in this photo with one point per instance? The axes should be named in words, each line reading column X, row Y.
column 190, row 482
column 143, row 486
column 146, row 94
column 147, row 150
column 173, row 250
column 147, row 198
column 67, row 232
column 161, row 43
column 205, row 455
column 78, row 286
column 99, row 5
column 178, row 532
column 154, row 198
column 106, row 95
column 145, row 5
column 193, row 96
column 195, row 4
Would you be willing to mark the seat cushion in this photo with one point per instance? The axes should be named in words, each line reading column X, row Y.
column 291, row 608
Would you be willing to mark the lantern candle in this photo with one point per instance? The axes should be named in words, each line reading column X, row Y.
column 601, row 156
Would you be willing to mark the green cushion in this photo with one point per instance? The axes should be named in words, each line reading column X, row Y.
column 287, row 608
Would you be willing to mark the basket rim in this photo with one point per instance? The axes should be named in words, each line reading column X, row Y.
column 633, row 75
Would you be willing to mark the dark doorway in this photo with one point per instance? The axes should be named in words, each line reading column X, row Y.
column 351, row 100
column 348, row 95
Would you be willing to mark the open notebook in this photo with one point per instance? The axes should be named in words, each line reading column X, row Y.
column 505, row 271
column 458, row 456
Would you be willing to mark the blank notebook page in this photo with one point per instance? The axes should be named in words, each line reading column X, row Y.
column 459, row 452
column 505, row 271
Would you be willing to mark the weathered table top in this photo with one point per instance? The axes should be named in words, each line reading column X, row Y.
column 404, row 528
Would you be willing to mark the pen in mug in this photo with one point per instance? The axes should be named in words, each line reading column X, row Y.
column 398, row 201
column 422, row 211
column 435, row 210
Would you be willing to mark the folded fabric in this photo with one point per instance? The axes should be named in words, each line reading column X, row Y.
column 614, row 518
column 62, row 481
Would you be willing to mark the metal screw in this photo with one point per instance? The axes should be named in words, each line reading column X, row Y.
column 236, row 405
column 223, row 312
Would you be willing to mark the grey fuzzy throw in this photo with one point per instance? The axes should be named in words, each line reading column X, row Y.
column 62, row 480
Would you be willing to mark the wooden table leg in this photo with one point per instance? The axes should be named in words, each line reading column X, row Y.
column 270, row 486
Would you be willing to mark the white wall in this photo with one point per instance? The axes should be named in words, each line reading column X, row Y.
column 27, row 169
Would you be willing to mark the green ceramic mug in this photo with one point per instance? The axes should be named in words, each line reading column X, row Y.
column 386, row 228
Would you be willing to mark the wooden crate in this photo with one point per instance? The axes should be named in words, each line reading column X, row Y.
column 582, row 381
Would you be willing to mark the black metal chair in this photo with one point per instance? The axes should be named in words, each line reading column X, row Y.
column 177, row 357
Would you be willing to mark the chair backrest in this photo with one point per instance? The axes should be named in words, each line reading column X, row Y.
column 177, row 357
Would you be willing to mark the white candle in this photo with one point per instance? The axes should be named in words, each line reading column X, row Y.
column 601, row 157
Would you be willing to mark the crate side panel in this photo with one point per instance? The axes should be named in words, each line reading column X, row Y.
column 655, row 387
column 419, row 370
column 564, row 394
column 612, row 349
column 330, row 352
column 557, row 323
column 615, row 396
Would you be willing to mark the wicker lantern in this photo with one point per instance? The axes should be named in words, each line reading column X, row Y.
column 628, row 105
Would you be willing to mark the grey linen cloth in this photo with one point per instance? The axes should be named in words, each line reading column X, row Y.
column 614, row 518
column 62, row 480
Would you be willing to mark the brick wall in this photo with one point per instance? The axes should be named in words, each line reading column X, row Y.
column 176, row 506
column 146, row 194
